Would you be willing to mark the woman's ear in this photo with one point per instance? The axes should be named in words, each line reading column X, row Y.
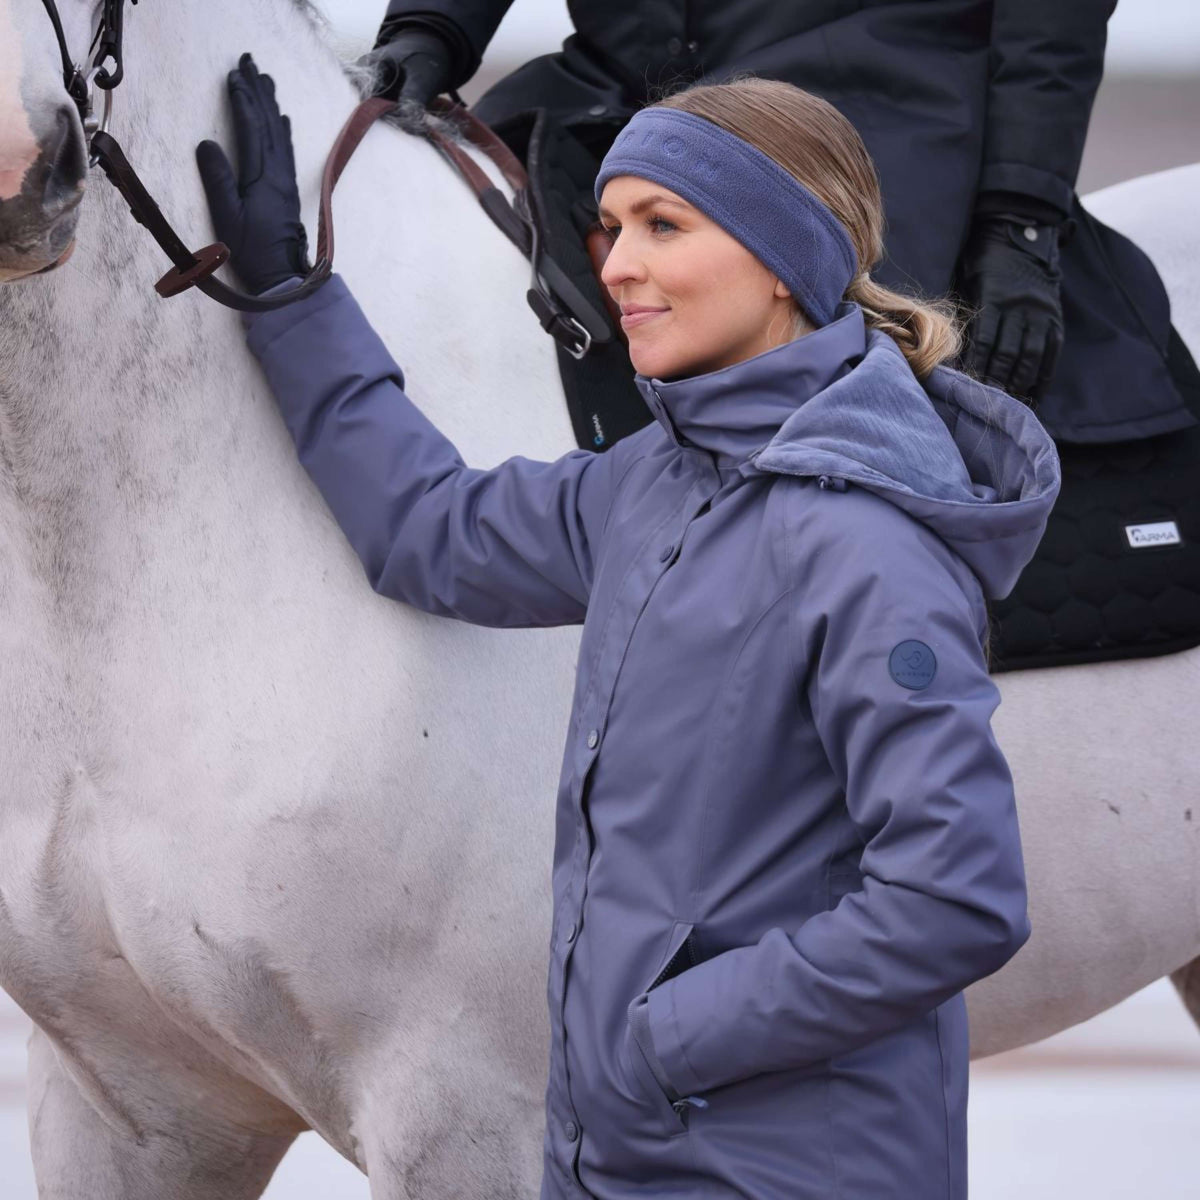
column 781, row 290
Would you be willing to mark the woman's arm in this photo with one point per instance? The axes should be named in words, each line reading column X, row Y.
column 943, row 894
column 512, row 546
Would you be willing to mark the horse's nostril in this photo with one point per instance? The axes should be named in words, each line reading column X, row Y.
column 68, row 163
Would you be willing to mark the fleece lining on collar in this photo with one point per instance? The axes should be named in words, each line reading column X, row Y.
column 969, row 461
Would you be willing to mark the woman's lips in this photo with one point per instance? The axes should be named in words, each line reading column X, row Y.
column 631, row 319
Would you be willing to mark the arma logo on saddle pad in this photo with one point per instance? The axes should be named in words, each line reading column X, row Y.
column 912, row 665
column 1156, row 533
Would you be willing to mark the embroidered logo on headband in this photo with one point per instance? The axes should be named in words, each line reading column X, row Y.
column 642, row 136
column 780, row 221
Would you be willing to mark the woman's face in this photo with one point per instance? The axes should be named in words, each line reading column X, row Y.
column 714, row 303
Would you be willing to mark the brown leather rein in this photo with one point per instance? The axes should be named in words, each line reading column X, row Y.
column 561, row 308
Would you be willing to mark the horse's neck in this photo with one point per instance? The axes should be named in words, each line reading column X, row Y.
column 100, row 379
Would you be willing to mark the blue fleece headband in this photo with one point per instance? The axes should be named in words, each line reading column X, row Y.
column 788, row 229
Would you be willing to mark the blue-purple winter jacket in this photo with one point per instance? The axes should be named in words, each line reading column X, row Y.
column 786, row 837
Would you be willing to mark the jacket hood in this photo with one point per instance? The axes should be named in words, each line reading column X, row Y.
column 967, row 460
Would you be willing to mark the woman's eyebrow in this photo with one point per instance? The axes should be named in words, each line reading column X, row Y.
column 638, row 205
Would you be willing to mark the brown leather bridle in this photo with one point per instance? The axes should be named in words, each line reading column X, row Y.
column 560, row 307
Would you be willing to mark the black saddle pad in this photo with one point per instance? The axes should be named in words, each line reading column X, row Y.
column 1117, row 572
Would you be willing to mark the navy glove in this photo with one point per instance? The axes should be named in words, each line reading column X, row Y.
column 256, row 214
column 412, row 62
column 1009, row 272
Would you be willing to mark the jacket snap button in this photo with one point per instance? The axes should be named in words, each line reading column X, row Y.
column 667, row 552
column 571, row 1130
column 593, row 739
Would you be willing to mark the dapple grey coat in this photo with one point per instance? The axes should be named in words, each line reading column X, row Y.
column 786, row 837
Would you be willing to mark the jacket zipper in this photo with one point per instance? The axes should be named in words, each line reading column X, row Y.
column 679, row 548
column 831, row 483
column 688, row 950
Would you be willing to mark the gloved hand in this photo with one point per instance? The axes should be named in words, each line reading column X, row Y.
column 1010, row 273
column 413, row 62
column 256, row 214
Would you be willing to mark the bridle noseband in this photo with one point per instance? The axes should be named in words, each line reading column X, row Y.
column 106, row 45
column 105, row 70
column 561, row 308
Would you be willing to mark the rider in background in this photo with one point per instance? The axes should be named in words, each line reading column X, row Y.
column 975, row 114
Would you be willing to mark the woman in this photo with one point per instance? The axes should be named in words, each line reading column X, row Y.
column 786, row 837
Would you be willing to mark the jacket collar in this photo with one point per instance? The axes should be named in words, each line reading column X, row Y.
column 735, row 411
column 970, row 463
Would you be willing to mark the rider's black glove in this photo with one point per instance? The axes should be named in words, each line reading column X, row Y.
column 412, row 62
column 1010, row 273
column 256, row 214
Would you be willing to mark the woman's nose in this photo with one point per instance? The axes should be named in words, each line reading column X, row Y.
column 621, row 264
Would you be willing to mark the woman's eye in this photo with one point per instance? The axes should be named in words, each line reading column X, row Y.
column 659, row 225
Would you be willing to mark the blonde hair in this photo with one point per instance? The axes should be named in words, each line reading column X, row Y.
column 808, row 137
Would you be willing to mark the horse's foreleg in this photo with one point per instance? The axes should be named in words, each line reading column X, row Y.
column 78, row 1155
column 456, row 1121
column 1187, row 983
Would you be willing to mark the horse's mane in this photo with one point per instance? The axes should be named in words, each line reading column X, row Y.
column 363, row 78
column 314, row 14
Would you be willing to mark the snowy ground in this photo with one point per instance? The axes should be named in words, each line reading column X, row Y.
column 1104, row 1111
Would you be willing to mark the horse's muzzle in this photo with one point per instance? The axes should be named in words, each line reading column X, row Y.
column 37, row 226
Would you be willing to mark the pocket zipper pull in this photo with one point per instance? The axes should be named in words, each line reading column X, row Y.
column 834, row 482
column 681, row 1106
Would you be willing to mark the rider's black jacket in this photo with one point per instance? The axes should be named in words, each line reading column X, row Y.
column 964, row 105
column 1021, row 72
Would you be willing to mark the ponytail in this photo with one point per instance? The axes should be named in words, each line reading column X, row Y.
column 925, row 330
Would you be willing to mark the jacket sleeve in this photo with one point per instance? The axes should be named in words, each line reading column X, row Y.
column 1046, row 60
column 511, row 546
column 943, row 900
column 467, row 25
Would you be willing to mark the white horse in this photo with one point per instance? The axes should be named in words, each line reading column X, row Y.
column 274, row 852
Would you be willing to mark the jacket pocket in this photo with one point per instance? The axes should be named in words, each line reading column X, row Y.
column 679, row 956
column 841, row 880
column 643, row 1073
column 663, row 1116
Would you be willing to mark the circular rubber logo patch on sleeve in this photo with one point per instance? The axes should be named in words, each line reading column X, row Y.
column 912, row 665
